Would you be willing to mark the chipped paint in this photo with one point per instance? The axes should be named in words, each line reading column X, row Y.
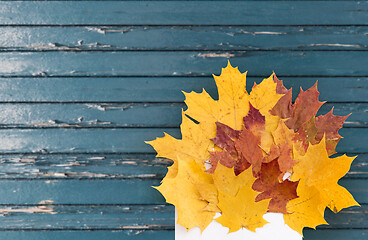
column 104, row 30
column 45, row 207
column 104, row 107
column 95, row 106
column 335, row 45
column 352, row 123
column 265, row 33
column 216, row 55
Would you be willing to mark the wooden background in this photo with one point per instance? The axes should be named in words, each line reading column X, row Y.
column 83, row 84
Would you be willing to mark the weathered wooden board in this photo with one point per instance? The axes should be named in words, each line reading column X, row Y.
column 336, row 234
column 129, row 115
column 121, row 140
column 160, row 89
column 309, row 234
column 125, row 217
column 86, row 217
column 188, row 13
column 108, row 166
column 89, row 235
column 102, row 38
column 172, row 63
column 109, row 191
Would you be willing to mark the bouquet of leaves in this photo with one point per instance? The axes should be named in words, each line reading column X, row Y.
column 251, row 153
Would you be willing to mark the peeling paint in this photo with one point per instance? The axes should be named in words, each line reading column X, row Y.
column 215, row 55
column 95, row 29
column 95, row 106
column 335, row 45
column 103, row 107
column 104, row 30
column 265, row 33
column 37, row 209
column 352, row 123
column 97, row 158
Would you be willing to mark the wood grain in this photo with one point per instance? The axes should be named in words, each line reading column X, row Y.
column 158, row 89
column 121, row 140
column 108, row 191
column 152, row 63
column 124, row 217
column 128, row 115
column 109, row 166
column 184, row 13
column 225, row 38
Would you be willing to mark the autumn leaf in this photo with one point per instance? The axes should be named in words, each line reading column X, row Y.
column 271, row 188
column 305, row 211
column 306, row 106
column 329, row 125
column 232, row 106
column 317, row 169
column 182, row 192
column 240, row 209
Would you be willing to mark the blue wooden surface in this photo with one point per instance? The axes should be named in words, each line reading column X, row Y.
column 84, row 83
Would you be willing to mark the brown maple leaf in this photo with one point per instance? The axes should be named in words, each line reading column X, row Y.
column 329, row 126
column 270, row 187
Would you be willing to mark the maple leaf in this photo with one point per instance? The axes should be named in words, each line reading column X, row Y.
column 182, row 192
column 240, row 209
column 300, row 117
column 241, row 149
column 306, row 106
column 270, row 187
column 264, row 97
column 315, row 168
column 231, row 107
column 329, row 125
column 280, row 88
column 193, row 145
column 248, row 145
column 306, row 210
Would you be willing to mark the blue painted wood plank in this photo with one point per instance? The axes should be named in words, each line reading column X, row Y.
column 176, row 12
column 160, row 89
column 104, row 191
column 88, row 235
column 108, row 166
column 128, row 217
column 125, row 38
column 338, row 234
column 296, row 63
column 87, row 217
column 80, row 192
column 77, row 166
column 123, row 140
column 309, row 234
column 129, row 115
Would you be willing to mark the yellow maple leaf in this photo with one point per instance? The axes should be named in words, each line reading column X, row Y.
column 264, row 97
column 225, row 180
column 282, row 134
column 232, row 106
column 182, row 192
column 193, row 145
column 315, row 168
column 240, row 209
column 306, row 210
